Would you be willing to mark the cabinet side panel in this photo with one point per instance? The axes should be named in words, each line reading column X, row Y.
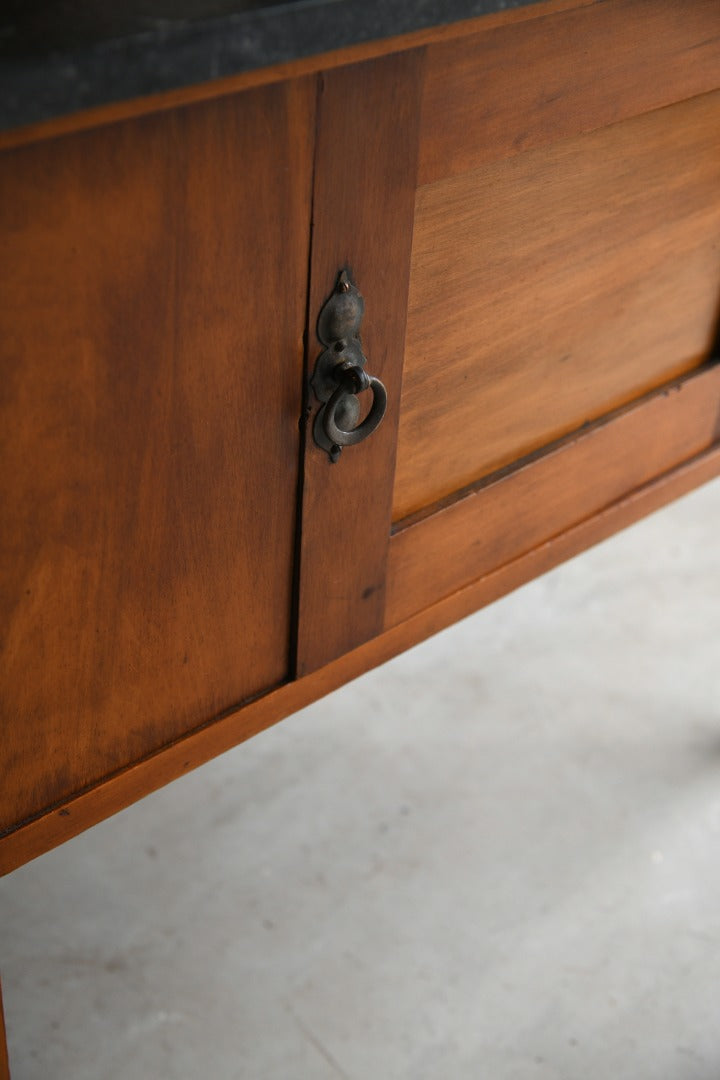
column 151, row 323
column 550, row 288
column 522, row 86
column 364, row 194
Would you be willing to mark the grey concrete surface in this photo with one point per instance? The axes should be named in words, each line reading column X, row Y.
column 495, row 858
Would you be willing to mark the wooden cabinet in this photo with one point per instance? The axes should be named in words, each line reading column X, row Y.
column 152, row 350
column 530, row 206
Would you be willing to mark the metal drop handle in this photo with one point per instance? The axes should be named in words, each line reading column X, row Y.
column 340, row 374
column 352, row 384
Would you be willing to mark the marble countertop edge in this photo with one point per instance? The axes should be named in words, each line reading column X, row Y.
column 41, row 79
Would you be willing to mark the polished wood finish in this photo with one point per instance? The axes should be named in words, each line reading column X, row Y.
column 501, row 520
column 188, row 753
column 363, row 205
column 152, row 336
column 181, row 565
column 550, row 288
column 499, row 93
column 148, row 431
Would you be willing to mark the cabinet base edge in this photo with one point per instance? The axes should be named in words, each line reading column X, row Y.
column 36, row 837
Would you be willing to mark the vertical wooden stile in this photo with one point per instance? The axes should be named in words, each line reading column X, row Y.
column 363, row 208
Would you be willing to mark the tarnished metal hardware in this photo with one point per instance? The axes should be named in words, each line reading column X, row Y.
column 340, row 373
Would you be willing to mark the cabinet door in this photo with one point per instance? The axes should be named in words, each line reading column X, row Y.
column 151, row 316
column 565, row 273
column 562, row 271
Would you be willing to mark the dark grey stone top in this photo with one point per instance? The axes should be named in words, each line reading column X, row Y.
column 59, row 56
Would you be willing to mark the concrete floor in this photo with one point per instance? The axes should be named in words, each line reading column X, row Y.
column 495, row 858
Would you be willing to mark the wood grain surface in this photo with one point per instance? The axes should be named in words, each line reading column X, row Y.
column 148, row 431
column 560, row 269
column 552, row 287
column 187, row 753
column 364, row 194
column 496, row 94
column 501, row 520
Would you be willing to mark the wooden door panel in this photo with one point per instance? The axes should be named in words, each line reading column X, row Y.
column 560, row 257
column 509, row 89
column 550, row 288
column 148, row 430
column 564, row 294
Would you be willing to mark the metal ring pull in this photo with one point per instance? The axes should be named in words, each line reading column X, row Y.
column 337, row 435
column 340, row 373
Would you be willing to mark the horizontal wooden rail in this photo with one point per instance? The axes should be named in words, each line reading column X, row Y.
column 86, row 809
column 552, row 492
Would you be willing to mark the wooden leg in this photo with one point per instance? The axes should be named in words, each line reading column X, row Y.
column 4, row 1066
